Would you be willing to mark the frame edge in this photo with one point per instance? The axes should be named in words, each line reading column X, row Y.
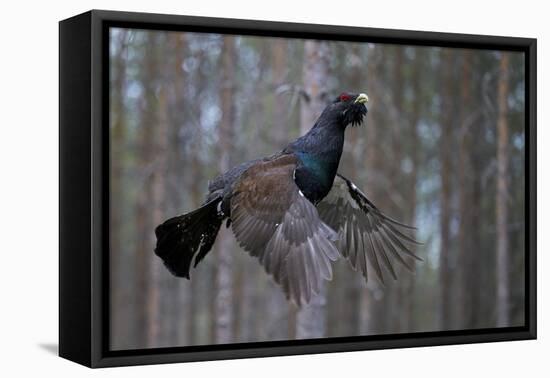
column 97, row 355
column 74, row 190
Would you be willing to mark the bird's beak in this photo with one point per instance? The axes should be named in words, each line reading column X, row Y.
column 362, row 98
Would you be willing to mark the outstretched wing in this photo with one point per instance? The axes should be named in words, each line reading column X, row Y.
column 273, row 221
column 367, row 237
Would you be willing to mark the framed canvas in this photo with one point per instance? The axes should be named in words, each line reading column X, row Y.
column 234, row 188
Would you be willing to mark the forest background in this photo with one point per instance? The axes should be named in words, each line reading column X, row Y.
column 442, row 148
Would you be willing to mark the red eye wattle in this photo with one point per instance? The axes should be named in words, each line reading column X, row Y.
column 344, row 97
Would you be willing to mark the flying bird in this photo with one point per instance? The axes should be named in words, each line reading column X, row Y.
column 294, row 212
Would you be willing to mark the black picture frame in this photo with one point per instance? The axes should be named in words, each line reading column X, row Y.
column 84, row 188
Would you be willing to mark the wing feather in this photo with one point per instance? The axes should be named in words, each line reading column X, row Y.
column 274, row 222
column 368, row 238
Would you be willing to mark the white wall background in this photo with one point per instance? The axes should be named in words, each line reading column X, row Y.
column 29, row 186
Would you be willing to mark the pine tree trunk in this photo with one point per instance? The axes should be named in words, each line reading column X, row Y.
column 156, row 336
column 372, row 315
column 445, row 215
column 276, row 302
column 397, row 290
column 503, row 258
column 310, row 319
column 279, row 132
column 122, row 322
column 177, row 300
column 408, row 290
column 353, row 286
column 195, row 182
column 146, row 305
column 315, row 73
column 478, row 274
column 224, row 273
column 465, row 247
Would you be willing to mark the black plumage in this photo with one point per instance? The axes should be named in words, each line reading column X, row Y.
column 293, row 212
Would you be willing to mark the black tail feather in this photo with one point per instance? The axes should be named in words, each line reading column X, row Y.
column 180, row 238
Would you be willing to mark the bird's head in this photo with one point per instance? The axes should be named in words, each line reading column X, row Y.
column 349, row 108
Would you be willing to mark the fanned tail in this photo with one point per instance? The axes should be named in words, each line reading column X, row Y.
column 180, row 238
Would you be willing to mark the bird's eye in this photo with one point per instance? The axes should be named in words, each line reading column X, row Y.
column 344, row 97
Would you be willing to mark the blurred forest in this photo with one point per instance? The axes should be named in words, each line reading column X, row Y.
column 443, row 148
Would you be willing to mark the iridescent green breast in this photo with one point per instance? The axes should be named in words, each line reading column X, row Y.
column 316, row 175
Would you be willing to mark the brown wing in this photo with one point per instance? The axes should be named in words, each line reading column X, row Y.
column 366, row 235
column 273, row 221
